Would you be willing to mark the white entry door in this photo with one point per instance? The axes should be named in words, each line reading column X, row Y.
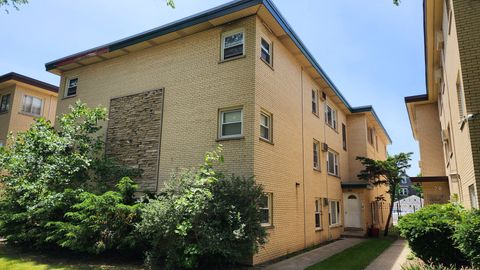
column 352, row 211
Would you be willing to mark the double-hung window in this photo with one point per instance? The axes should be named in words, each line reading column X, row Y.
column 344, row 137
column 334, row 213
column 316, row 155
column 266, row 126
column 265, row 209
column 266, row 51
column 332, row 163
column 71, row 87
column 5, row 103
column 318, row 214
column 32, row 105
column 330, row 116
column 231, row 123
column 314, row 101
column 403, row 191
column 233, row 44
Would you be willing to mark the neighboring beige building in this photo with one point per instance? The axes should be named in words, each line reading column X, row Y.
column 444, row 120
column 236, row 75
column 22, row 99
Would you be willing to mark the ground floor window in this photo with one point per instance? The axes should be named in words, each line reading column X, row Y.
column 265, row 208
column 318, row 214
column 334, row 213
column 473, row 196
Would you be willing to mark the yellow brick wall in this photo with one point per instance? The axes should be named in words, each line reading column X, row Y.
column 5, row 117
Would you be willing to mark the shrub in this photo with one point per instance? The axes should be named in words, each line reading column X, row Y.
column 429, row 233
column 203, row 219
column 467, row 237
column 100, row 222
column 422, row 266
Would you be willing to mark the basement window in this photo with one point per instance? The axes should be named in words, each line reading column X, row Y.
column 233, row 44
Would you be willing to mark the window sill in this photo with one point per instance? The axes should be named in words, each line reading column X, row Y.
column 317, row 169
column 318, row 229
column 230, row 138
column 5, row 112
column 316, row 114
column 334, row 175
column 266, row 141
column 334, row 129
column 335, row 226
column 231, row 59
column 67, row 97
column 30, row 114
column 268, row 64
column 268, row 227
column 462, row 125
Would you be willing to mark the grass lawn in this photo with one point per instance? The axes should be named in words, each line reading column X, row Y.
column 357, row 257
column 15, row 259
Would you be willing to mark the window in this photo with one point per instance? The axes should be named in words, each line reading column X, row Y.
column 334, row 213
column 403, row 181
column 473, row 196
column 403, row 191
column 71, row 87
column 314, row 101
column 371, row 136
column 233, row 45
column 32, row 105
column 5, row 103
column 318, row 214
column 266, row 52
column 332, row 163
column 330, row 116
column 266, row 126
column 449, row 14
column 231, row 123
column 344, row 137
column 1, row 143
column 265, row 208
column 316, row 155
column 376, row 143
column 460, row 97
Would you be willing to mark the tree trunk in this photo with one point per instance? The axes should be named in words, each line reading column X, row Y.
column 387, row 225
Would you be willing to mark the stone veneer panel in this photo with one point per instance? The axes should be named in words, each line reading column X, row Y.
column 133, row 134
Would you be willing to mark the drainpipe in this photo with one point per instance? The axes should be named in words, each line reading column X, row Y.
column 303, row 165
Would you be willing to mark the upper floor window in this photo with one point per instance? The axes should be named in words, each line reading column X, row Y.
column 371, row 136
column 334, row 213
column 403, row 191
column 330, row 116
column 71, row 87
column 316, row 155
column 231, row 123
column 233, row 44
column 332, row 163
column 460, row 97
column 344, row 137
column 32, row 105
column 318, row 214
column 403, row 181
column 314, row 101
column 266, row 126
column 266, row 51
column 473, row 196
column 5, row 103
column 265, row 208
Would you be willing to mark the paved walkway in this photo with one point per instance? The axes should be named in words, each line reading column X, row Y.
column 306, row 259
column 393, row 258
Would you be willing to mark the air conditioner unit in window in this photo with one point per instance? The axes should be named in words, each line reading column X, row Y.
column 323, row 96
column 324, row 147
column 325, row 202
column 439, row 40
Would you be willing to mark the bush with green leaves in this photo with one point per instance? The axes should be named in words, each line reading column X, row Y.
column 202, row 219
column 429, row 232
column 467, row 236
column 44, row 171
column 100, row 222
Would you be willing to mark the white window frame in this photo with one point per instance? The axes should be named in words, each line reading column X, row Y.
column 268, row 52
column 403, row 181
column 337, row 213
column 67, row 86
column 316, row 152
column 318, row 212
column 336, row 166
column 333, row 123
column 268, row 127
column 231, row 33
column 269, row 209
column 31, row 113
column 403, row 191
column 221, row 123
column 315, row 102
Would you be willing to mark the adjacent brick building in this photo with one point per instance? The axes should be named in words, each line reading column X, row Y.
column 445, row 120
column 237, row 75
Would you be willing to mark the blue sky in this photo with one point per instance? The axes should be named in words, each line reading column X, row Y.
column 372, row 50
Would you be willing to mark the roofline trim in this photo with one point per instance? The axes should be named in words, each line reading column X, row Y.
column 28, row 80
column 421, row 179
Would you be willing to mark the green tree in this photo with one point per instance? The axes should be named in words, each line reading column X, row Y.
column 387, row 172
column 12, row 3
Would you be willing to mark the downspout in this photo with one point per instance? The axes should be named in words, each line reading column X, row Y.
column 303, row 165
column 326, row 172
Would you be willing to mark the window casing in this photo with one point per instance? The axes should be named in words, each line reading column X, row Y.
column 231, row 123
column 314, row 101
column 403, row 191
column 71, row 88
column 266, row 126
column 32, row 105
column 233, row 44
column 344, row 137
column 265, row 209
column 334, row 213
column 330, row 116
column 266, row 52
column 5, row 103
column 332, row 163
column 318, row 214
column 316, row 155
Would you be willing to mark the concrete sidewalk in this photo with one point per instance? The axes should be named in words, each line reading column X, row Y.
column 391, row 259
column 306, row 259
